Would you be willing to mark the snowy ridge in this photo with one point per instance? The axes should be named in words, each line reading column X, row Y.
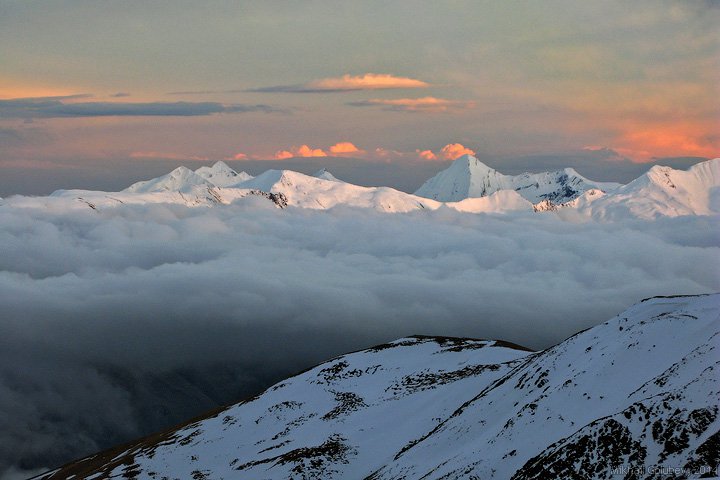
column 468, row 177
column 325, row 175
column 467, row 186
column 637, row 391
column 221, row 175
column 182, row 179
column 662, row 191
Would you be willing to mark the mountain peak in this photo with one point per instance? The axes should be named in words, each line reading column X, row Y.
column 179, row 180
column 323, row 174
column 468, row 177
column 221, row 175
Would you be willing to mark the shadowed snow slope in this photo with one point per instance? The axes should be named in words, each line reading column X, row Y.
column 637, row 391
column 468, row 177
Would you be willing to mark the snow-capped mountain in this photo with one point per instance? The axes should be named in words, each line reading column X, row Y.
column 325, row 175
column 468, row 177
column 662, row 191
column 467, row 185
column 639, row 391
column 182, row 179
column 307, row 191
column 221, row 175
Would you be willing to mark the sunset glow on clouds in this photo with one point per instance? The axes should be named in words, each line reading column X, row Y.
column 348, row 83
column 301, row 151
column 339, row 149
column 508, row 82
column 369, row 81
column 455, row 150
column 424, row 104
column 345, row 148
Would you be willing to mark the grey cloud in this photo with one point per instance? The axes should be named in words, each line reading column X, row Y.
column 204, row 92
column 54, row 108
column 119, row 322
column 120, row 94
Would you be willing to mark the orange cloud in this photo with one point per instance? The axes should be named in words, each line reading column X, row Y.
column 301, row 151
column 345, row 148
column 240, row 156
column 424, row 104
column 642, row 145
column 368, row 81
column 283, row 155
column 305, row 151
column 426, row 154
column 452, row 151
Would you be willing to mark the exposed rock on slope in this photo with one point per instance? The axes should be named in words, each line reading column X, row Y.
column 468, row 177
column 637, row 391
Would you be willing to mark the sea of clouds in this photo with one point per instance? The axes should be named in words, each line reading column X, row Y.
column 119, row 322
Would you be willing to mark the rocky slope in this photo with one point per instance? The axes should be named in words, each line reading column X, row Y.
column 634, row 396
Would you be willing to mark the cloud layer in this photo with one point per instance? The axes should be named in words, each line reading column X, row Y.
column 423, row 104
column 113, row 320
column 348, row 83
column 57, row 107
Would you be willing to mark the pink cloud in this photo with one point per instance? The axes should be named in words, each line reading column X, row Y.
column 283, row 155
column 452, row 151
column 426, row 154
column 301, row 151
column 345, row 148
column 368, row 81
column 240, row 156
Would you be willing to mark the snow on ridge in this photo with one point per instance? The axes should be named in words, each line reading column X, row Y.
column 636, row 391
column 468, row 177
column 325, row 175
column 181, row 179
column 467, row 185
column 221, row 175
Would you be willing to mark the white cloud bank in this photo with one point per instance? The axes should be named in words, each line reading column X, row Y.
column 110, row 318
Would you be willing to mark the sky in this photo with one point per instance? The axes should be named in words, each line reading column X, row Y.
column 100, row 94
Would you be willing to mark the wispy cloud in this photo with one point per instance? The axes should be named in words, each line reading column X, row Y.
column 204, row 92
column 56, row 107
column 424, row 104
column 348, row 83
column 167, row 156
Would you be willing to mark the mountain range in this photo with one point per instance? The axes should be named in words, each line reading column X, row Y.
column 634, row 397
column 466, row 185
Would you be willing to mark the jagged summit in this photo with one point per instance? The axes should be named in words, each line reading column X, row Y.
column 468, row 177
column 467, row 185
column 221, row 175
column 325, row 175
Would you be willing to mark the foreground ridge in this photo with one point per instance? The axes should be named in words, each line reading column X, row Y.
column 637, row 393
